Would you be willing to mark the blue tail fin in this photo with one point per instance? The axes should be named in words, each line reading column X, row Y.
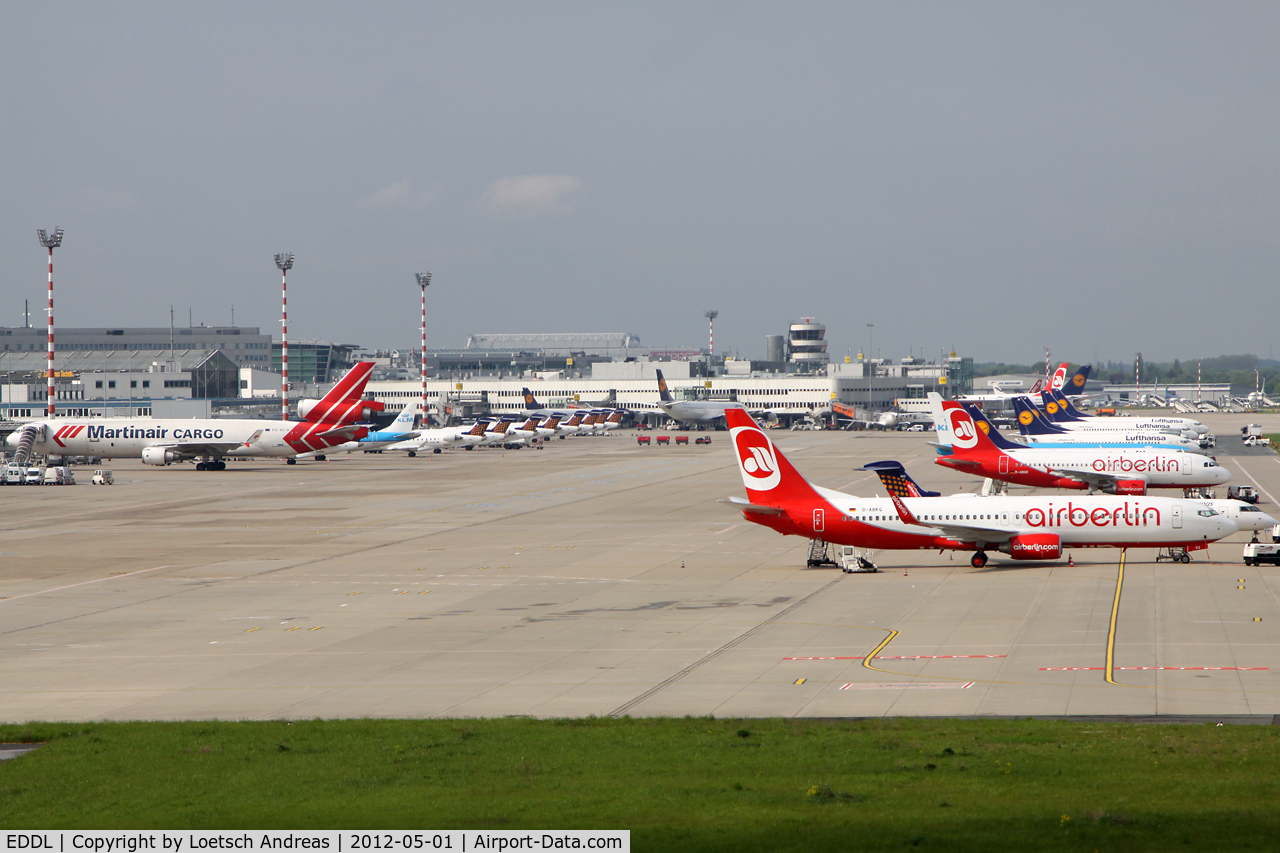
column 663, row 394
column 1031, row 421
column 529, row 402
column 897, row 481
column 990, row 429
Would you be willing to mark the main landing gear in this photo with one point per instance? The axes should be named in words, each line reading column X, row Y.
column 978, row 560
column 217, row 465
column 291, row 461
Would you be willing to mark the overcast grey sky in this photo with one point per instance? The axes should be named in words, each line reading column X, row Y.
column 1099, row 178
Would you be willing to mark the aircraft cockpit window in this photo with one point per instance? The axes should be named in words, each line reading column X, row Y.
column 1207, row 513
column 1247, row 508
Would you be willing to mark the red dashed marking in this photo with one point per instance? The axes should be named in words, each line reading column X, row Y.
column 932, row 685
column 1093, row 668
column 901, row 657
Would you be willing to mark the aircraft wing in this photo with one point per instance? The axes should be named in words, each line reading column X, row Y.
column 1093, row 478
column 348, row 432
column 206, row 448
column 744, row 504
column 963, row 532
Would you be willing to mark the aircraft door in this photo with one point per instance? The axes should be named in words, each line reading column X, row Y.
column 1186, row 464
column 819, row 519
column 1177, row 515
column 1004, row 464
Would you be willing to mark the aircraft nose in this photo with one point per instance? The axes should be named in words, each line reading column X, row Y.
column 1268, row 521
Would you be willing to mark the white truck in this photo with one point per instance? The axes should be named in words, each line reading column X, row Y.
column 851, row 560
column 1256, row 553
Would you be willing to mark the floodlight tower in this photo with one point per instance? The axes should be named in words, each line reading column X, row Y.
column 711, row 331
column 50, row 242
column 284, row 261
column 424, row 281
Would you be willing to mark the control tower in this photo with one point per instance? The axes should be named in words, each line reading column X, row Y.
column 808, row 344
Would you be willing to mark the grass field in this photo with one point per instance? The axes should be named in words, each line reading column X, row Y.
column 678, row 784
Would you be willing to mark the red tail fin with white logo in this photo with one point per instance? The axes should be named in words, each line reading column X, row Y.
column 342, row 404
column 769, row 478
column 1059, row 377
column 968, row 439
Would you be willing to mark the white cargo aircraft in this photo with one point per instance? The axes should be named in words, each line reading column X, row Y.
column 331, row 421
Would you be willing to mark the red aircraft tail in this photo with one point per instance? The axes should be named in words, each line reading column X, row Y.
column 342, row 405
column 769, row 478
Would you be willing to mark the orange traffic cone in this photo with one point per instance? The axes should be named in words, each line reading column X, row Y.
column 1071, row 560
column 682, row 564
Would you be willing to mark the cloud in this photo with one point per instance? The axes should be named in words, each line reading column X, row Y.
column 398, row 194
column 530, row 195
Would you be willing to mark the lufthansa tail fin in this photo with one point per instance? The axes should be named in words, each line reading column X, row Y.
column 663, row 394
column 1031, row 421
column 529, row 401
column 897, row 482
column 989, row 429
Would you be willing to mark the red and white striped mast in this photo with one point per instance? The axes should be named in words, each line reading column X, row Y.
column 711, row 331
column 424, row 281
column 50, row 242
column 284, row 261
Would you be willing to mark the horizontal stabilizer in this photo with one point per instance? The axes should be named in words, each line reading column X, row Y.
column 747, row 506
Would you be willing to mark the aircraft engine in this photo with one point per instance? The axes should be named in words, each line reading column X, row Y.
column 1130, row 487
column 368, row 411
column 1034, row 546
column 159, row 456
column 305, row 407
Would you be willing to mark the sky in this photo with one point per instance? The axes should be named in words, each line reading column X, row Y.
column 989, row 178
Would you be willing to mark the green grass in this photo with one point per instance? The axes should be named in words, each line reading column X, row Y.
column 677, row 784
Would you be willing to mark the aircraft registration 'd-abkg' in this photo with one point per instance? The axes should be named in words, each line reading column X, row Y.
column 1025, row 528
column 329, row 422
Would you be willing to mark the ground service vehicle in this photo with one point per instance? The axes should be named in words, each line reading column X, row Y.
column 1256, row 553
column 102, row 477
column 1248, row 494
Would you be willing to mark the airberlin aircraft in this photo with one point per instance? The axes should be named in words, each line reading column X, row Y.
column 1025, row 528
column 968, row 442
column 328, row 422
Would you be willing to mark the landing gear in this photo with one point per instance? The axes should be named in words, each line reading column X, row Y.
column 216, row 465
column 291, row 461
column 978, row 560
column 412, row 454
column 320, row 457
column 437, row 450
column 200, row 466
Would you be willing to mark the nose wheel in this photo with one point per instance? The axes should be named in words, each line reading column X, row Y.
column 978, row 560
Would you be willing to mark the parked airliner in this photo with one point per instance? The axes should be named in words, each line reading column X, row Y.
column 1025, row 528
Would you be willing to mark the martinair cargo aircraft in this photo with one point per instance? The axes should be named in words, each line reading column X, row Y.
column 330, row 421
column 968, row 442
column 1025, row 528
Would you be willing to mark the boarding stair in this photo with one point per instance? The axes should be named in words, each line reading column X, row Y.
column 819, row 554
column 26, row 439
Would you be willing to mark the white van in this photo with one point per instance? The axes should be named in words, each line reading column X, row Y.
column 35, row 476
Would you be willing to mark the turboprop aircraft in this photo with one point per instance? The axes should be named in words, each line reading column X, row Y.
column 328, row 422
column 1025, row 528
column 968, row 442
